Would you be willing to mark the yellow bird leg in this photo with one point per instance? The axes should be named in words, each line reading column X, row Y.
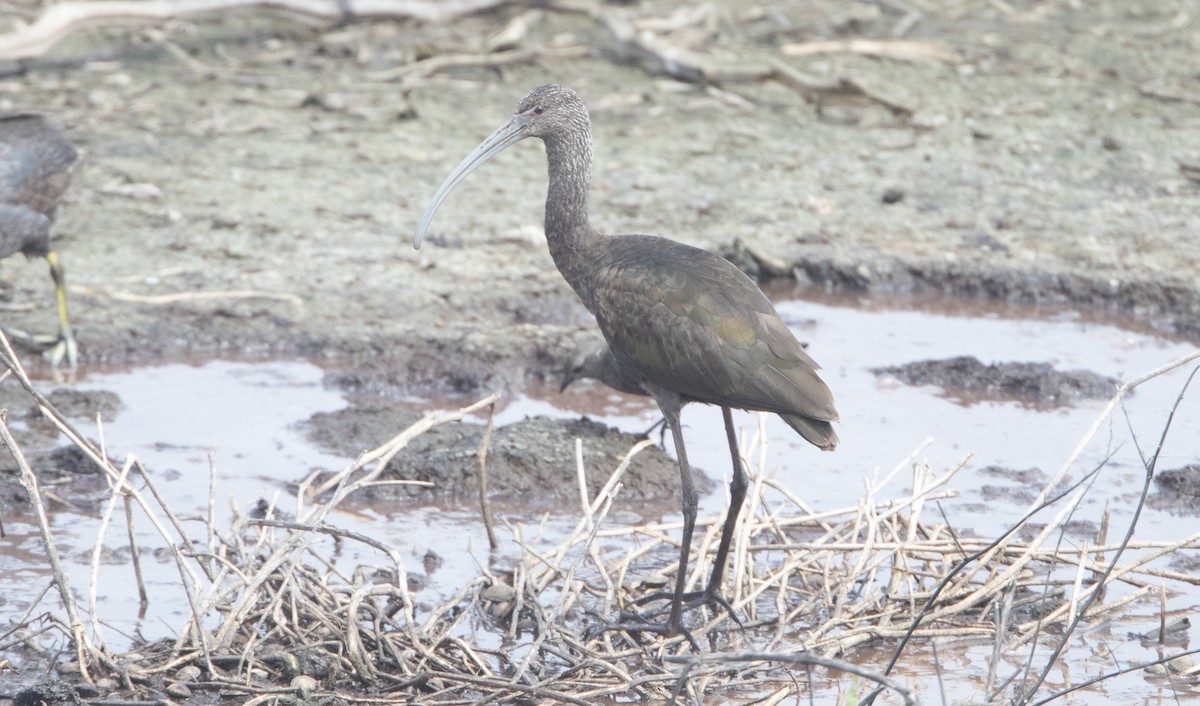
column 64, row 352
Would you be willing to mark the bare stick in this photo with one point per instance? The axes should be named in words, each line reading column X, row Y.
column 61, row 19
column 882, row 49
column 381, row 455
column 1041, row 502
column 484, row 506
column 657, row 55
column 333, row 532
column 434, row 64
column 607, row 500
column 1126, row 670
column 176, row 298
column 1028, row 692
column 184, row 537
column 285, row 554
column 135, row 557
column 211, row 518
column 29, row 482
column 1104, row 414
column 98, row 551
column 581, row 476
column 944, row 583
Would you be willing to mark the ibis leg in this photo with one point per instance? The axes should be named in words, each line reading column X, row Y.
column 690, row 503
column 711, row 594
column 737, row 495
column 59, row 349
column 671, row 406
column 64, row 351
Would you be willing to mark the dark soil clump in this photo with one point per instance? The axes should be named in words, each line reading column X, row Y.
column 1038, row 383
column 73, row 403
column 1028, row 476
column 1178, row 490
column 49, row 692
column 531, row 461
column 1180, row 481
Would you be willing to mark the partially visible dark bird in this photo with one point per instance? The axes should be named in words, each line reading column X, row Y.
column 685, row 324
column 596, row 361
column 36, row 165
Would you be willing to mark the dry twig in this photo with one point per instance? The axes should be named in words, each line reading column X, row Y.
column 184, row 297
column 61, row 19
column 895, row 49
column 484, row 506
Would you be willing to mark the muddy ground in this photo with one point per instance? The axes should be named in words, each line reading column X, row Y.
column 252, row 185
column 968, row 379
column 525, row 460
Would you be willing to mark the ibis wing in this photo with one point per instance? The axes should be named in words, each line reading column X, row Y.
column 691, row 322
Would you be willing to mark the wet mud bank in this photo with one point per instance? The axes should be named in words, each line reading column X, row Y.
column 531, row 461
column 512, row 358
column 1168, row 304
column 463, row 358
column 1037, row 383
column 969, row 270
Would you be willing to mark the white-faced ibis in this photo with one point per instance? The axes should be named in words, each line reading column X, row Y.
column 36, row 165
column 686, row 324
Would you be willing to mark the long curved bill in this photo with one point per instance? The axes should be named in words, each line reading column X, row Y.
column 511, row 133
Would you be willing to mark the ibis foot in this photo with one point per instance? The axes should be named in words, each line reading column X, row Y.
column 635, row 624
column 708, row 597
column 661, row 425
column 59, row 349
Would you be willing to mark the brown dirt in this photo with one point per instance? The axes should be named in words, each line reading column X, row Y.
column 530, row 461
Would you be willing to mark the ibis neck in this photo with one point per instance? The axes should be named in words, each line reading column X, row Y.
column 568, row 232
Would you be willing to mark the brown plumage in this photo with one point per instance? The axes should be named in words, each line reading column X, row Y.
column 682, row 323
column 36, row 165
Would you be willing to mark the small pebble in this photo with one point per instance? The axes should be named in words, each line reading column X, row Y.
column 498, row 592
column 304, row 684
column 1174, row 666
column 189, row 673
column 893, row 195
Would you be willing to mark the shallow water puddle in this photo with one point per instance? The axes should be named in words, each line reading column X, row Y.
column 239, row 421
column 246, row 414
column 173, row 418
column 883, row 420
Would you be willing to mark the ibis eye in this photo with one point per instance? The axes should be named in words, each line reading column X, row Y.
column 539, row 110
